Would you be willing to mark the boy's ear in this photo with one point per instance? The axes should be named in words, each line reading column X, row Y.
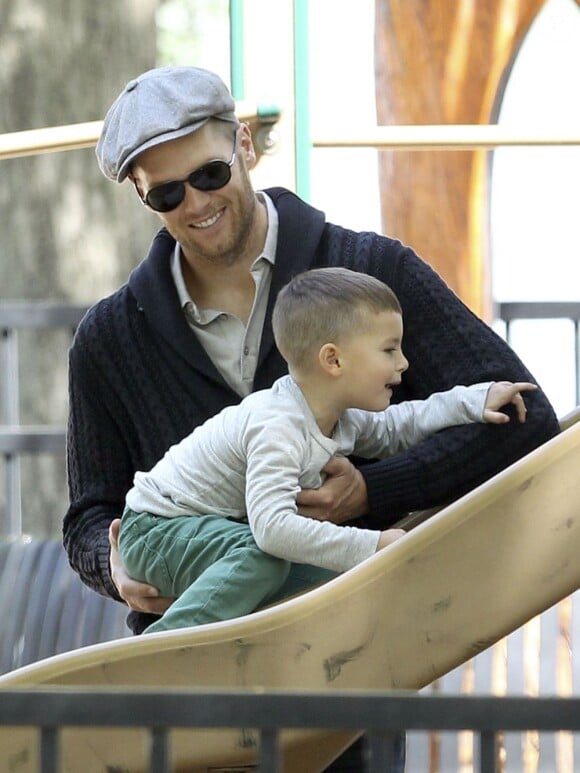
column 329, row 359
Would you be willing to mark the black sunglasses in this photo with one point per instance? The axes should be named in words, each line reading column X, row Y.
column 209, row 177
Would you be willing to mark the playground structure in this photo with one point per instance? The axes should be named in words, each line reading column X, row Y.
column 83, row 671
column 399, row 620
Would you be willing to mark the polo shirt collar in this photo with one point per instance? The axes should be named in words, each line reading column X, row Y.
column 268, row 253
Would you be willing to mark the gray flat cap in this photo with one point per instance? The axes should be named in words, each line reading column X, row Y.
column 160, row 105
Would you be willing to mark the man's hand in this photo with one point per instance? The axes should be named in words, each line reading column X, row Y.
column 502, row 393
column 342, row 496
column 137, row 595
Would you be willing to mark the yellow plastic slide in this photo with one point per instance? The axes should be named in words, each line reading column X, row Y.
column 453, row 586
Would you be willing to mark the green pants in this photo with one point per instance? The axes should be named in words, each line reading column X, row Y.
column 211, row 564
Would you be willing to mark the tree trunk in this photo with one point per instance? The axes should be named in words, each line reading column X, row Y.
column 67, row 233
column 444, row 62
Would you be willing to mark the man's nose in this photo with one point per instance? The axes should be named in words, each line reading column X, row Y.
column 194, row 199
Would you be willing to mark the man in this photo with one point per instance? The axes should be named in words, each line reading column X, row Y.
column 191, row 331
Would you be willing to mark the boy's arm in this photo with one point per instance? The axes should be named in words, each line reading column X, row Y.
column 407, row 424
column 275, row 461
column 403, row 426
column 446, row 344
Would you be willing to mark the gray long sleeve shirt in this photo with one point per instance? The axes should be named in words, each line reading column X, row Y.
column 252, row 459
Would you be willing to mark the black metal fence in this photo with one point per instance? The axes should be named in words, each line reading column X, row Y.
column 381, row 714
column 17, row 439
column 544, row 310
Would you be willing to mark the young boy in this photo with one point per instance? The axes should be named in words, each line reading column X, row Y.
column 215, row 521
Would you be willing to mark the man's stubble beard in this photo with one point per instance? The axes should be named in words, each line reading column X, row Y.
column 243, row 216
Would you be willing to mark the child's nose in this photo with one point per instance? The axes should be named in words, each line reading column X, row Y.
column 403, row 364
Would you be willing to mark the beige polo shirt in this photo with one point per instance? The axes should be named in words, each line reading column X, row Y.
column 232, row 346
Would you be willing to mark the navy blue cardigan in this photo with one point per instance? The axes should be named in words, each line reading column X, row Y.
column 140, row 381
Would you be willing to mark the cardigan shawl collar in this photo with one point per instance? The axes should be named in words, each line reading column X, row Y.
column 300, row 229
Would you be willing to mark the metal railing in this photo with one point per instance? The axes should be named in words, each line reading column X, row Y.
column 544, row 310
column 15, row 439
column 52, row 139
column 448, row 137
column 380, row 714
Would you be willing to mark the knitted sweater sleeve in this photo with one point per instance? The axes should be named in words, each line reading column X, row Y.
column 94, row 454
column 447, row 345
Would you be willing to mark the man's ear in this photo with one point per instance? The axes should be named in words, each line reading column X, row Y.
column 131, row 177
column 329, row 359
column 246, row 145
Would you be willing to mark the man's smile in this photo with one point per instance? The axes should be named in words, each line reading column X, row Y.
column 208, row 222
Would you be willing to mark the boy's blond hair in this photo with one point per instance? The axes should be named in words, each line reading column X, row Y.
column 326, row 305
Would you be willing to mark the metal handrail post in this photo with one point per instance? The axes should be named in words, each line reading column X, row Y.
column 302, row 139
column 237, row 67
column 10, row 415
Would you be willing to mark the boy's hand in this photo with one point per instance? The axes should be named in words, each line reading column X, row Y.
column 388, row 537
column 502, row 393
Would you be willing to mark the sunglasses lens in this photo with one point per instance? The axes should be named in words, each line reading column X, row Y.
column 211, row 177
column 166, row 197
